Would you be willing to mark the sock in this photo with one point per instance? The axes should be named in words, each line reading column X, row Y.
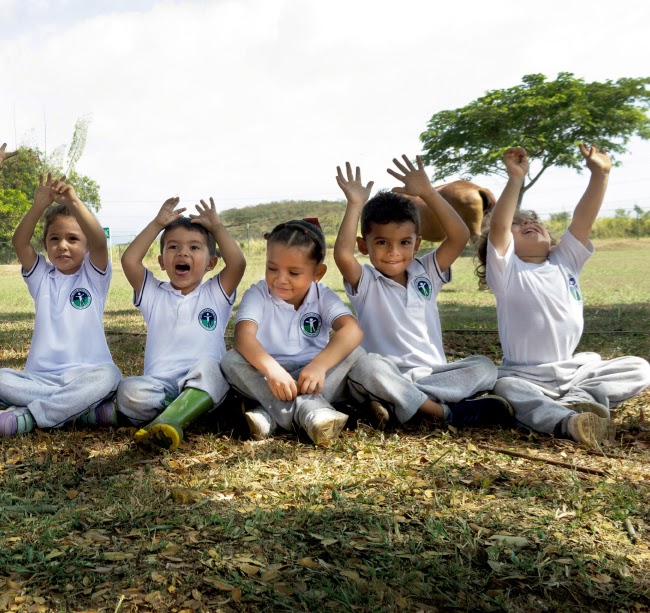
column 16, row 420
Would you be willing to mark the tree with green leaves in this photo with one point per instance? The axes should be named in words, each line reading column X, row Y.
column 548, row 118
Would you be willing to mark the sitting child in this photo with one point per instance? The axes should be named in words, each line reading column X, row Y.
column 284, row 356
column 395, row 300
column 69, row 372
column 539, row 310
column 186, row 320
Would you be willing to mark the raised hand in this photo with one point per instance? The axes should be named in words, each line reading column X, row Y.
column 416, row 182
column 44, row 196
column 207, row 217
column 4, row 154
column 352, row 187
column 168, row 212
column 596, row 160
column 63, row 193
column 516, row 161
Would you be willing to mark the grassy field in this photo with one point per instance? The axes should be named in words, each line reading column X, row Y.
column 413, row 520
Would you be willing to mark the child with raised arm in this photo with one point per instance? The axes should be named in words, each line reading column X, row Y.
column 69, row 372
column 4, row 154
column 539, row 311
column 405, row 371
column 284, row 356
column 186, row 320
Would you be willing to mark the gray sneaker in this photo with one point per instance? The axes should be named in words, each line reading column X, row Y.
column 324, row 425
column 586, row 406
column 589, row 429
column 260, row 424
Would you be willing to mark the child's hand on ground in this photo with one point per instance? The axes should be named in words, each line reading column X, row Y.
column 207, row 217
column 281, row 383
column 353, row 188
column 516, row 161
column 43, row 196
column 168, row 212
column 597, row 161
column 416, row 182
column 5, row 155
column 311, row 379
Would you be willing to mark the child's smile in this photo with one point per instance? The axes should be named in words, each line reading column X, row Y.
column 66, row 244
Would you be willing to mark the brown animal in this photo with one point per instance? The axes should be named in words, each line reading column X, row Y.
column 469, row 200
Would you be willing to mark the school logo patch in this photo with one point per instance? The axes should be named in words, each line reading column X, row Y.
column 574, row 288
column 310, row 324
column 423, row 285
column 208, row 319
column 80, row 298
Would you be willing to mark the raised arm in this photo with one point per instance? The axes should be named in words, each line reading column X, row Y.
column 417, row 183
column 346, row 338
column 233, row 258
column 22, row 237
column 357, row 195
column 516, row 162
column 135, row 253
column 281, row 383
column 94, row 233
column 4, row 154
column 587, row 209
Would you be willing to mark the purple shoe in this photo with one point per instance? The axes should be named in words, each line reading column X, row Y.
column 16, row 420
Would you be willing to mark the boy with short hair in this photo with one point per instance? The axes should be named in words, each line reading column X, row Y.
column 186, row 320
column 395, row 301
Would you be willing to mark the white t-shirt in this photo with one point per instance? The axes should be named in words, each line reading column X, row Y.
column 402, row 323
column 539, row 306
column 288, row 334
column 182, row 329
column 69, row 322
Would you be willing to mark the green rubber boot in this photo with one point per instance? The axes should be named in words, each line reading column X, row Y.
column 166, row 431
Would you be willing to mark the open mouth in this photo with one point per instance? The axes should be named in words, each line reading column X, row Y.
column 182, row 268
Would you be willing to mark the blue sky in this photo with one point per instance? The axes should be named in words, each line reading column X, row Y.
column 258, row 100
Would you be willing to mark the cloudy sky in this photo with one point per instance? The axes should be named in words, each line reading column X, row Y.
column 258, row 100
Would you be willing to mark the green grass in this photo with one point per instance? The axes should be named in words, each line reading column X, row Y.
column 413, row 520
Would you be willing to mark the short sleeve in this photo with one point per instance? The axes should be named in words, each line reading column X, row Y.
column 430, row 263
column 252, row 305
column 332, row 307
column 497, row 267
column 34, row 276
column 573, row 252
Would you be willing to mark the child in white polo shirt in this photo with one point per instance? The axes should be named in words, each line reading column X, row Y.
column 186, row 320
column 284, row 356
column 69, row 372
column 405, row 371
column 539, row 311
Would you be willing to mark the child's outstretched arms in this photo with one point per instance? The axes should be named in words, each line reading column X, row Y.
column 135, row 253
column 4, row 154
column 417, row 183
column 233, row 258
column 22, row 237
column 346, row 338
column 587, row 209
column 356, row 194
column 516, row 162
column 64, row 194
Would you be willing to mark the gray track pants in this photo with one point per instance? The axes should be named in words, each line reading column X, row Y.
column 377, row 377
column 143, row 398
column 535, row 392
column 55, row 399
column 251, row 383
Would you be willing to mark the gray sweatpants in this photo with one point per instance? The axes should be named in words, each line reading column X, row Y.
column 143, row 398
column 55, row 399
column 251, row 383
column 535, row 392
column 377, row 377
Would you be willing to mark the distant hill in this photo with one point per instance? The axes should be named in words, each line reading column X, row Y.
column 263, row 217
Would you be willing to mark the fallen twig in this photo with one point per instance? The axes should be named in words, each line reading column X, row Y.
column 22, row 509
column 525, row 456
column 630, row 530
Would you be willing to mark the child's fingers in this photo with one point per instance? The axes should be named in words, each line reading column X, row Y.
column 348, row 168
column 398, row 176
column 400, row 165
column 409, row 164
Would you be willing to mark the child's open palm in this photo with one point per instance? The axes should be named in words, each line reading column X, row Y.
column 208, row 216
column 353, row 188
column 44, row 196
column 168, row 212
column 416, row 182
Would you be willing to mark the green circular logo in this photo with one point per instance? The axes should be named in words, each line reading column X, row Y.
column 80, row 298
column 208, row 319
column 423, row 286
column 310, row 324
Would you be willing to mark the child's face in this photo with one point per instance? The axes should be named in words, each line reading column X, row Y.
column 186, row 258
column 531, row 239
column 391, row 248
column 290, row 272
column 66, row 244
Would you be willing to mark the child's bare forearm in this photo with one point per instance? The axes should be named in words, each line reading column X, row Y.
column 89, row 225
column 21, row 239
column 253, row 351
column 451, row 222
column 346, row 338
column 589, row 205
column 233, row 258
column 345, row 244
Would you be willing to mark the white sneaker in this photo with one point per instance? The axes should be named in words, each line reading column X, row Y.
column 325, row 425
column 587, row 406
column 260, row 424
column 589, row 429
column 378, row 414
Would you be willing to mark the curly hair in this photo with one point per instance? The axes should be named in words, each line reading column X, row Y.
column 300, row 233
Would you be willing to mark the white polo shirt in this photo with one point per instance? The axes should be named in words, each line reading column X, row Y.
column 287, row 334
column 182, row 329
column 69, row 321
column 539, row 306
column 402, row 323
